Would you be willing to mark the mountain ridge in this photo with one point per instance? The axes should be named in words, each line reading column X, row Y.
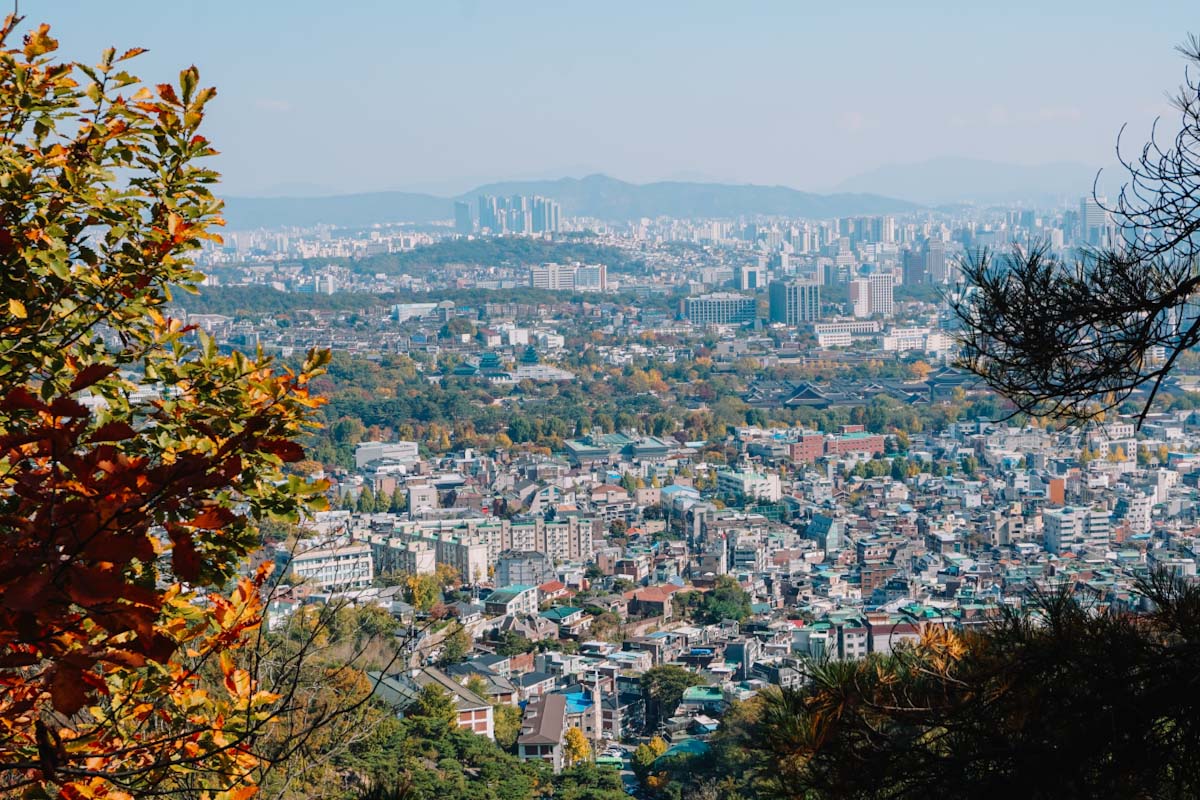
column 595, row 195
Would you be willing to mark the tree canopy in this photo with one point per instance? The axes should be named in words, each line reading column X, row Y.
column 1072, row 337
column 136, row 461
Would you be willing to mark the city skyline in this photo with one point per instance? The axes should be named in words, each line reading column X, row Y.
column 448, row 96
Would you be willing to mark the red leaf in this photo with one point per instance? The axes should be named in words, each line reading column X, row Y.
column 21, row 397
column 159, row 648
column 67, row 689
column 89, row 587
column 185, row 560
column 213, row 518
column 27, row 594
column 113, row 432
column 125, row 658
column 286, row 449
column 66, row 407
column 90, row 375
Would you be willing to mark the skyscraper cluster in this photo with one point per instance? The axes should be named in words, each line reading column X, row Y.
column 519, row 214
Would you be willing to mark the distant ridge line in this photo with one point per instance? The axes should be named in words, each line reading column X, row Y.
column 596, row 196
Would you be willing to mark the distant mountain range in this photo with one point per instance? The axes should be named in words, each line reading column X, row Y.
column 594, row 196
column 947, row 181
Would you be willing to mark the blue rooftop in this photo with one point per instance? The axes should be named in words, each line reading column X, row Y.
column 578, row 702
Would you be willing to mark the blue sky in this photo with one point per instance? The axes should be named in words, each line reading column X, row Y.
column 360, row 96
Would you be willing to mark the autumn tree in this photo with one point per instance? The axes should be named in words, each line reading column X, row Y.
column 423, row 591
column 576, row 747
column 507, row 724
column 645, row 754
column 136, row 460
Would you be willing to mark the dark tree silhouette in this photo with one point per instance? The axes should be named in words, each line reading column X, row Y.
column 1073, row 338
column 1074, row 701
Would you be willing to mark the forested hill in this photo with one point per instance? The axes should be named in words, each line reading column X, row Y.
column 498, row 251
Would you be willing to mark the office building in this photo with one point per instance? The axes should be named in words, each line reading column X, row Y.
column 721, row 308
column 937, row 268
column 873, row 295
column 793, row 302
column 1095, row 223
column 916, row 272
column 569, row 277
column 751, row 278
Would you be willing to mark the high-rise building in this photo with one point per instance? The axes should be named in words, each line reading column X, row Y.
column 888, row 230
column 873, row 295
column 520, row 215
column 751, row 278
column 721, row 308
column 860, row 297
column 915, row 272
column 883, row 292
column 1095, row 223
column 793, row 302
column 936, row 266
column 462, row 218
column 546, row 215
column 490, row 218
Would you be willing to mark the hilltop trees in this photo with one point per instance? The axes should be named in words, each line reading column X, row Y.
column 1074, row 339
column 135, row 459
column 663, row 687
column 726, row 600
column 1064, row 703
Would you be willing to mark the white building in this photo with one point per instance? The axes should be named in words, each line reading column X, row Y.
column 924, row 340
column 330, row 567
column 1075, row 527
column 366, row 452
column 749, row 485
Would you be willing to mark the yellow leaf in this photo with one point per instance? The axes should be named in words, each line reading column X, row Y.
column 17, row 308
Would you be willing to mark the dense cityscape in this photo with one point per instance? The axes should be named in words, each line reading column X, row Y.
column 735, row 448
column 577, row 402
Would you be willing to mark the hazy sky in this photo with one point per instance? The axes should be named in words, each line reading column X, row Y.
column 349, row 95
